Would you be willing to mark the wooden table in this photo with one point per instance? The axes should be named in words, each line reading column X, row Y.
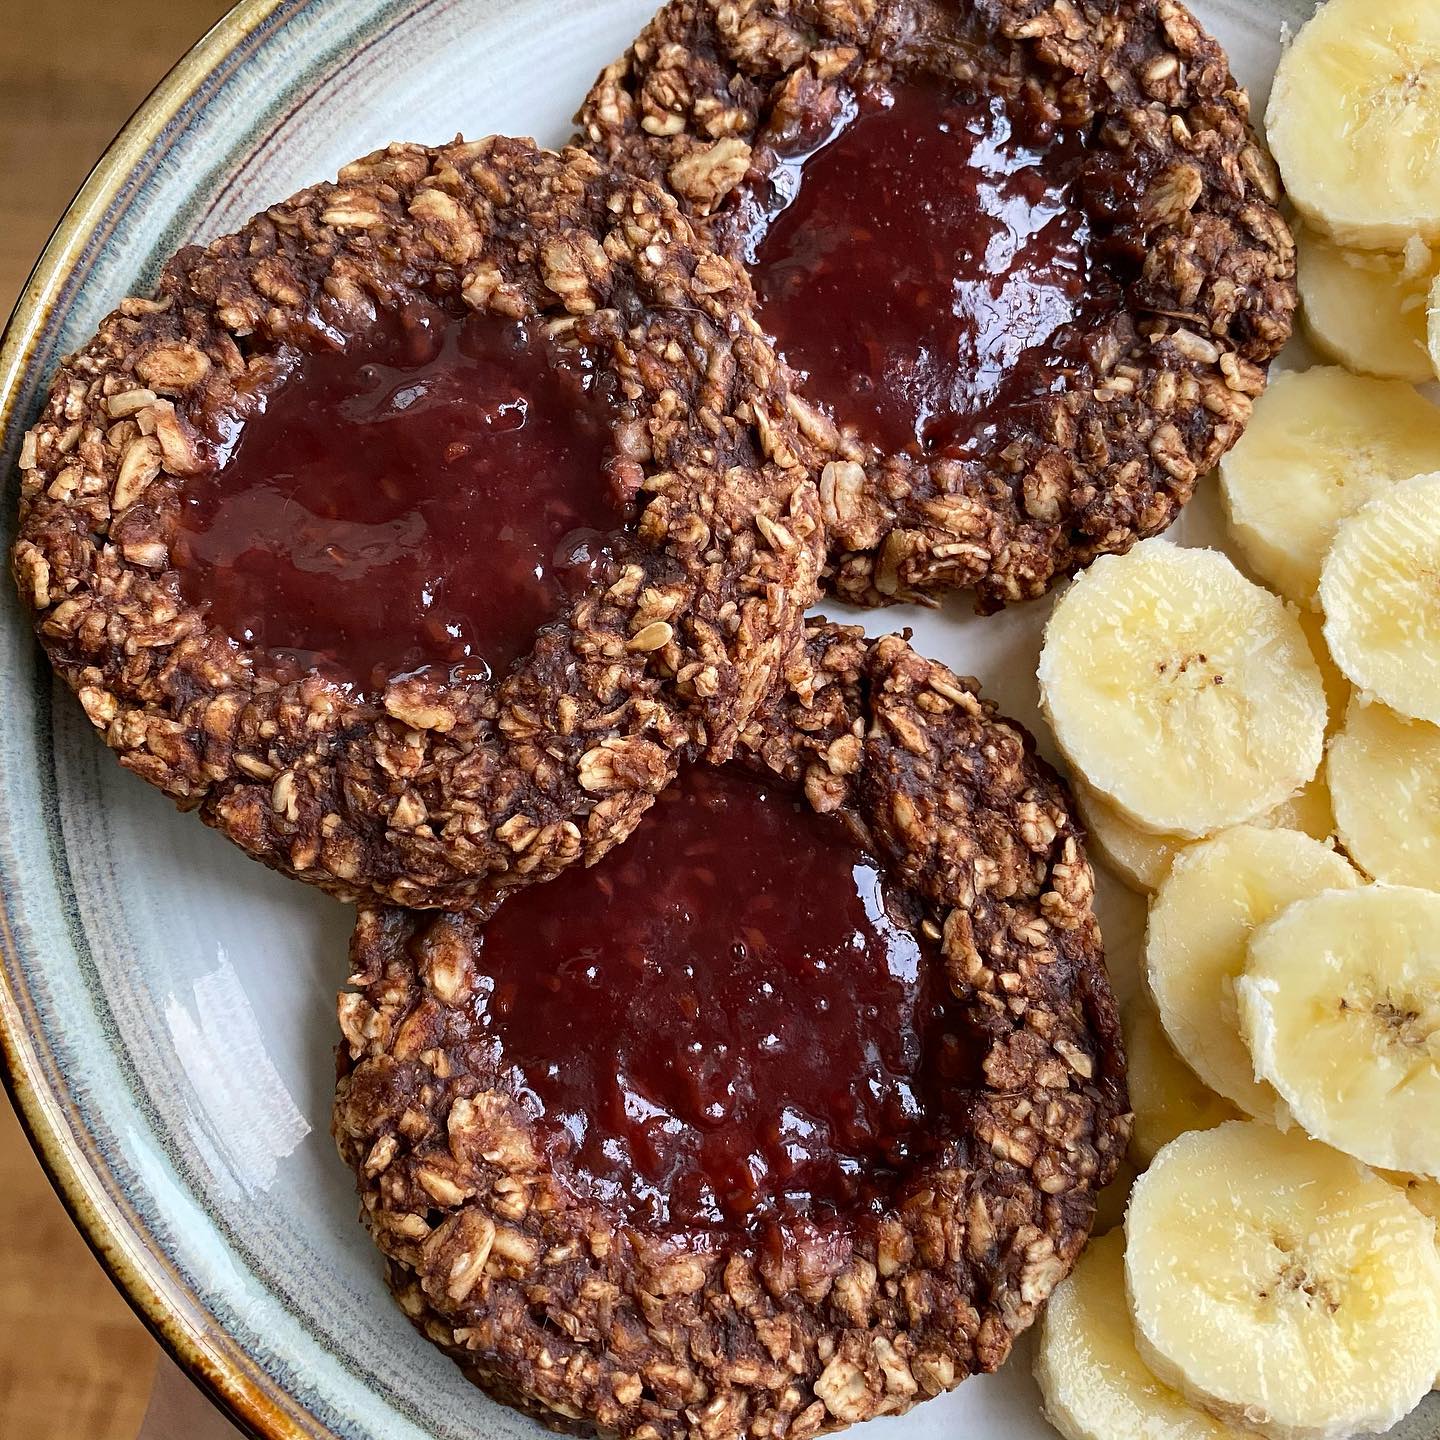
column 75, row 1364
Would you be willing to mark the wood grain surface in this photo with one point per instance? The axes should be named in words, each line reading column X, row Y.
column 75, row 1364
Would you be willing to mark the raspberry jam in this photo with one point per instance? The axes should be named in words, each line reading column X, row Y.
column 921, row 259
column 418, row 498
column 720, row 1023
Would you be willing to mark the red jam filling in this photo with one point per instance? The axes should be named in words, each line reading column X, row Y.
column 426, row 496
column 720, row 1023
column 923, row 262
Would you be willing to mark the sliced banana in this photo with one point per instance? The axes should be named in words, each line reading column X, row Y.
column 1167, row 1096
column 1141, row 860
column 1337, row 687
column 1340, row 1006
column 1368, row 309
column 1384, row 776
column 1320, row 444
column 1184, row 694
column 1138, row 858
column 1282, row 1286
column 1110, row 1203
column 1380, row 590
column 1093, row 1383
column 1195, row 945
column 1309, row 812
column 1354, row 121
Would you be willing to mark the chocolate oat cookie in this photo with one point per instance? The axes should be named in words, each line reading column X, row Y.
column 1023, row 255
column 790, row 1113
column 415, row 532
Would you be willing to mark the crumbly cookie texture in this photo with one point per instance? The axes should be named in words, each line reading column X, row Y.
column 556, row 1306
column 1181, row 179
column 436, row 793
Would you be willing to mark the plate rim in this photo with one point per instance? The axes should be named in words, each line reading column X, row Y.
column 84, row 1183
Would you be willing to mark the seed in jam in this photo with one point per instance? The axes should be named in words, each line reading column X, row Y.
column 922, row 262
column 720, row 1023
column 408, row 501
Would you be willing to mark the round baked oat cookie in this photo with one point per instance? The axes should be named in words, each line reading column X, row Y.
column 1024, row 257
column 416, row 531
column 790, row 1113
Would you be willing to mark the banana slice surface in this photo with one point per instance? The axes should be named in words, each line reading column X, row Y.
column 1340, row 1007
column 1368, row 310
column 1383, row 772
column 1186, row 695
column 1281, row 1285
column 1354, row 121
column 1380, row 591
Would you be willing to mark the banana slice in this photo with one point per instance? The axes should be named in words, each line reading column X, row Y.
column 1167, row 1096
column 1337, row 687
column 1110, row 1203
column 1354, row 121
column 1384, row 776
column 1181, row 692
column 1280, row 1285
column 1093, row 1383
column 1368, row 309
column 1309, row 812
column 1340, row 1006
column 1142, row 860
column 1320, row 444
column 1424, row 1194
column 1136, row 857
column 1381, row 598
column 1195, row 945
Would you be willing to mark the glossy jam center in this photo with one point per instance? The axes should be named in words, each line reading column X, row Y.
column 411, row 500
column 920, row 260
column 720, row 1022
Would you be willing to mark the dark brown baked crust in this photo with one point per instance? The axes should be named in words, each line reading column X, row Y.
column 438, row 793
column 1115, row 455
column 551, row 1303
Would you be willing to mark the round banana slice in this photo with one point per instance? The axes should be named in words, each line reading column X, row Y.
column 1195, row 945
column 1320, row 444
column 1280, row 1285
column 1184, row 694
column 1368, row 309
column 1354, row 121
column 1340, row 1006
column 1167, row 1096
column 1384, row 776
column 1093, row 1383
column 1381, row 598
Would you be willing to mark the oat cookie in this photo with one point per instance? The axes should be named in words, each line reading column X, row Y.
column 559, row 1296
column 1163, row 198
column 439, row 786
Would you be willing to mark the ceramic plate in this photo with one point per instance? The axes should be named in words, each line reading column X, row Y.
column 167, row 1005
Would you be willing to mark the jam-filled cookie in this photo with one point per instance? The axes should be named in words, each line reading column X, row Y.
column 790, row 1112
column 416, row 531
column 1023, row 257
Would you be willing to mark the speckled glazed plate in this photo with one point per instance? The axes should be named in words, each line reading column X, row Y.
column 166, row 1006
